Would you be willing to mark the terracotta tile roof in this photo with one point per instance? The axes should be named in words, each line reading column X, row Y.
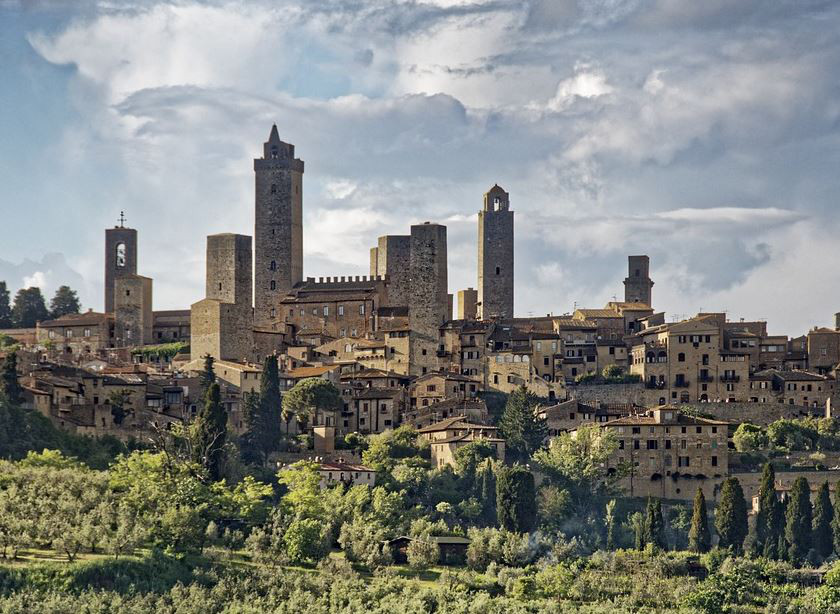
column 91, row 318
column 304, row 372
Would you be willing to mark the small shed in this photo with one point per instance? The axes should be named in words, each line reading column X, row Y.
column 452, row 548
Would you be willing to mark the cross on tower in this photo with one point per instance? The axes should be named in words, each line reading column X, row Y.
column 122, row 219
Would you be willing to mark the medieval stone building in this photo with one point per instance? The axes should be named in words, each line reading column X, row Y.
column 495, row 256
column 638, row 285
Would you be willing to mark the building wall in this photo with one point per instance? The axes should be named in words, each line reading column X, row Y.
column 278, row 230
column 495, row 256
column 428, row 293
column 467, row 304
column 229, row 269
column 133, row 319
column 116, row 267
column 393, row 258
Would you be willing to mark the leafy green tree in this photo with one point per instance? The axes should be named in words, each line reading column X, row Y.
column 65, row 302
column 522, row 429
column 5, row 307
column 422, row 552
column 469, row 457
column 29, row 308
column 798, row 521
column 120, row 402
column 516, row 499
column 306, row 541
column 636, row 521
column 553, row 506
column 364, row 541
column 793, row 435
column 388, row 449
column 208, row 374
column 310, row 396
column 835, row 523
column 731, row 515
column 766, row 537
column 210, row 433
column 823, row 513
column 579, row 464
column 9, row 383
column 699, row 537
column 749, row 437
column 655, row 524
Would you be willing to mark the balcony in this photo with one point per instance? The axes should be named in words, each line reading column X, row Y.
column 730, row 378
column 705, row 379
column 681, row 383
column 655, row 385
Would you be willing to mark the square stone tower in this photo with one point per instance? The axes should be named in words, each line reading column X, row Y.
column 392, row 257
column 120, row 258
column 638, row 285
column 495, row 256
column 222, row 324
column 278, row 227
column 133, row 318
column 467, row 300
column 428, row 295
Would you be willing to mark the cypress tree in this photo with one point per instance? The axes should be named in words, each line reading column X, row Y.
column 271, row 407
column 210, row 432
column 775, row 548
column 9, row 384
column 798, row 521
column 699, row 538
column 611, row 525
column 835, row 523
column 208, row 375
column 523, row 431
column 486, row 483
column 731, row 516
column 516, row 507
column 823, row 513
column 764, row 534
column 5, row 307
column 654, row 524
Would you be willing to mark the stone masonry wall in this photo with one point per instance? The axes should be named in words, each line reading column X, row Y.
column 428, row 294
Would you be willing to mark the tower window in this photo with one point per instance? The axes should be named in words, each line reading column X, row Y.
column 273, row 265
column 498, row 270
column 273, row 285
column 273, row 189
column 273, row 313
column 274, row 153
column 120, row 258
column 220, row 286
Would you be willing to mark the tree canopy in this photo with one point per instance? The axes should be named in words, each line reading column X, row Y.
column 29, row 308
column 309, row 396
column 523, row 430
column 64, row 302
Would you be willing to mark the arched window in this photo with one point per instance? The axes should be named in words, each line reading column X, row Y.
column 273, row 285
column 681, row 357
column 498, row 270
column 273, row 265
column 120, row 255
column 273, row 189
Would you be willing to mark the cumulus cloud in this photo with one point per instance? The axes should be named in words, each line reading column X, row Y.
column 711, row 145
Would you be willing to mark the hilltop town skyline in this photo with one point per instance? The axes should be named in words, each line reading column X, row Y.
column 728, row 183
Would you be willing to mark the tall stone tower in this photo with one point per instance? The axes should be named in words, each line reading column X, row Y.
column 428, row 295
column 222, row 324
column 495, row 256
column 278, row 229
column 133, row 315
column 638, row 285
column 120, row 258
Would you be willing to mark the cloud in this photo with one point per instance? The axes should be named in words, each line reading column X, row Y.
column 704, row 135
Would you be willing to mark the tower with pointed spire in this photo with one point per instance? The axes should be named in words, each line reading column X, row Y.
column 495, row 256
column 278, row 228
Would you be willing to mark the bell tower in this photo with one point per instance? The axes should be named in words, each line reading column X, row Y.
column 120, row 258
column 495, row 256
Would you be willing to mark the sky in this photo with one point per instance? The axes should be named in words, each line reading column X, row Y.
column 704, row 134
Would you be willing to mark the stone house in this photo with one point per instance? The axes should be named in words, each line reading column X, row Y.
column 77, row 335
column 668, row 454
column 447, row 436
column 441, row 385
column 349, row 474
